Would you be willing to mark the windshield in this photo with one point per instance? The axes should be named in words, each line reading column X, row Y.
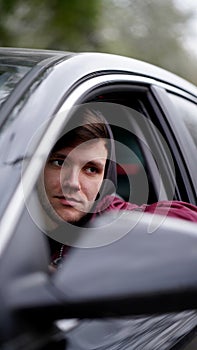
column 14, row 65
column 9, row 78
column 12, row 71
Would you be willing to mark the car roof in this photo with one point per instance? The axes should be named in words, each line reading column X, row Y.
column 91, row 62
column 29, row 57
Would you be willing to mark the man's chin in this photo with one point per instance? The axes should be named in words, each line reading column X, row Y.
column 71, row 217
column 61, row 215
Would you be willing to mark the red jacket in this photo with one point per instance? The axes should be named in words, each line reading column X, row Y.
column 176, row 209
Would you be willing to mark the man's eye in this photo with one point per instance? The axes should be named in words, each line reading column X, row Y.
column 91, row 170
column 57, row 162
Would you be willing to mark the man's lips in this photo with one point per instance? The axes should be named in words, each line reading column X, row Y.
column 68, row 201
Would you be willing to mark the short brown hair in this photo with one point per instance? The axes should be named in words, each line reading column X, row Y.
column 92, row 126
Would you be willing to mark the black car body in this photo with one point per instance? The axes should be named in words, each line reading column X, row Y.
column 38, row 89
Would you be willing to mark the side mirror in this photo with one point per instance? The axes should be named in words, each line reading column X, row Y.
column 151, row 269
column 141, row 273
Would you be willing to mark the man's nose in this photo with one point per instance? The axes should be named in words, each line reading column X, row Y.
column 70, row 178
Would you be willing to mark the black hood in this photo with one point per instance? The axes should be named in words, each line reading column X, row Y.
column 109, row 184
column 109, row 187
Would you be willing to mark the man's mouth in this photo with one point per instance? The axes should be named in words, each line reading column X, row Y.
column 68, row 201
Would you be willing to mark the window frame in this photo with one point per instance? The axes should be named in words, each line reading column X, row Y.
column 183, row 147
column 77, row 95
column 184, row 189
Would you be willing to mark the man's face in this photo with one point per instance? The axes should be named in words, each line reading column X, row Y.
column 73, row 177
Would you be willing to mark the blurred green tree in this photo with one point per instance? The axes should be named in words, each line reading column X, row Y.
column 54, row 24
column 150, row 30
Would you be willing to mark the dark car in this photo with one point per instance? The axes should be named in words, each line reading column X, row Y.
column 139, row 292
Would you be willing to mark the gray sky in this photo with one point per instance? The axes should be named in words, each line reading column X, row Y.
column 191, row 37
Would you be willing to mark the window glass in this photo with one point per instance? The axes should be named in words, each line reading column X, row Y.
column 9, row 78
column 188, row 112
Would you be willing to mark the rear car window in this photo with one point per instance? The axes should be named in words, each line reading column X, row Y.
column 188, row 112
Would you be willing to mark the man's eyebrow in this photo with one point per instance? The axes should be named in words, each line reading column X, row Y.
column 96, row 162
column 57, row 155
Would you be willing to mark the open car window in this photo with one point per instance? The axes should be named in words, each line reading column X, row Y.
column 145, row 165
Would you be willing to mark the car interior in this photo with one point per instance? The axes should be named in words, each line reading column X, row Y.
column 140, row 170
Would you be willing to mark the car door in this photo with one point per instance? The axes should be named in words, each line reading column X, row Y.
column 152, row 165
column 155, row 158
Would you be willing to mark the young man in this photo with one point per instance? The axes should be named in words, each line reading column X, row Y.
column 76, row 168
column 80, row 179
